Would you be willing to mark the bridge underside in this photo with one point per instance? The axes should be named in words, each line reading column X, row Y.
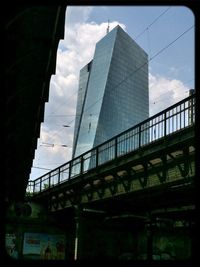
column 160, row 174
column 148, row 196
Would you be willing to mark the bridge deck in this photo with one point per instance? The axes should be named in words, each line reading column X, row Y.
column 160, row 164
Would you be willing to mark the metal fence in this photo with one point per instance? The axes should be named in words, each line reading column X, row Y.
column 166, row 122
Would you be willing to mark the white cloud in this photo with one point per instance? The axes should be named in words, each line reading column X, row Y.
column 79, row 44
column 164, row 92
column 74, row 52
column 77, row 14
column 77, row 50
column 48, row 156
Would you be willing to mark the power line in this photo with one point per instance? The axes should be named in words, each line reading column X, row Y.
column 55, row 163
column 163, row 49
column 148, row 41
column 64, row 103
column 154, row 102
column 153, row 57
column 147, row 28
column 61, row 115
column 97, row 113
column 152, row 23
column 41, row 168
column 132, row 73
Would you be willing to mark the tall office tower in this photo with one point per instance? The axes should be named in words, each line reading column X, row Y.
column 113, row 91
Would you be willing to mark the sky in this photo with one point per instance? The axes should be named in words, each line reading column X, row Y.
column 166, row 33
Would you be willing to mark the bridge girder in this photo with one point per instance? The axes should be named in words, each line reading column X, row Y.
column 169, row 163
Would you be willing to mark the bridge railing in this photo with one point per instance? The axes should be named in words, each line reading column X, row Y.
column 166, row 122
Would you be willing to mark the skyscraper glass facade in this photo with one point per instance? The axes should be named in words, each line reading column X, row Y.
column 113, row 91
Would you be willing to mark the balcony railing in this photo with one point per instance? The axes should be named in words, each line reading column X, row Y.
column 175, row 118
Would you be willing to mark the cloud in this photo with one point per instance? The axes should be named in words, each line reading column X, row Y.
column 77, row 14
column 77, row 50
column 50, row 152
column 74, row 52
column 164, row 92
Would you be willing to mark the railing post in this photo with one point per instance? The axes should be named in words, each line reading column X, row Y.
column 70, row 169
column 82, row 162
column 139, row 135
column 58, row 175
column 191, row 107
column 116, row 152
column 40, row 184
column 97, row 157
column 34, row 186
column 165, row 124
column 49, row 180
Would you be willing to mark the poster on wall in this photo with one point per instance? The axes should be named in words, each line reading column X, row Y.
column 44, row 246
column 10, row 243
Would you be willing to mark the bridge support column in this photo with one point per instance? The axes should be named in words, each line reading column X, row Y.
column 149, row 239
column 77, row 233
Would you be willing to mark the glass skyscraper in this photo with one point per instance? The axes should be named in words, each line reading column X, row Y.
column 113, row 91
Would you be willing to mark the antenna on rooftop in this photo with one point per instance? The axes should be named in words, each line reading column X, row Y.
column 108, row 27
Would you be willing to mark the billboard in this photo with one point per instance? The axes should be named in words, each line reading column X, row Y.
column 10, row 244
column 44, row 246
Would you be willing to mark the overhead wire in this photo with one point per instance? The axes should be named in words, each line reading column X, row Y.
column 64, row 103
column 154, row 99
column 164, row 48
column 41, row 168
column 133, row 72
column 151, row 58
column 149, row 42
column 140, row 34
column 154, row 56
column 147, row 28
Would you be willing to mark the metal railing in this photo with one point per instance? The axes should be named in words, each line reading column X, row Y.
column 166, row 122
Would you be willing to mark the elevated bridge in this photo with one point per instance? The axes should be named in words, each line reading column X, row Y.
column 130, row 193
column 155, row 157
